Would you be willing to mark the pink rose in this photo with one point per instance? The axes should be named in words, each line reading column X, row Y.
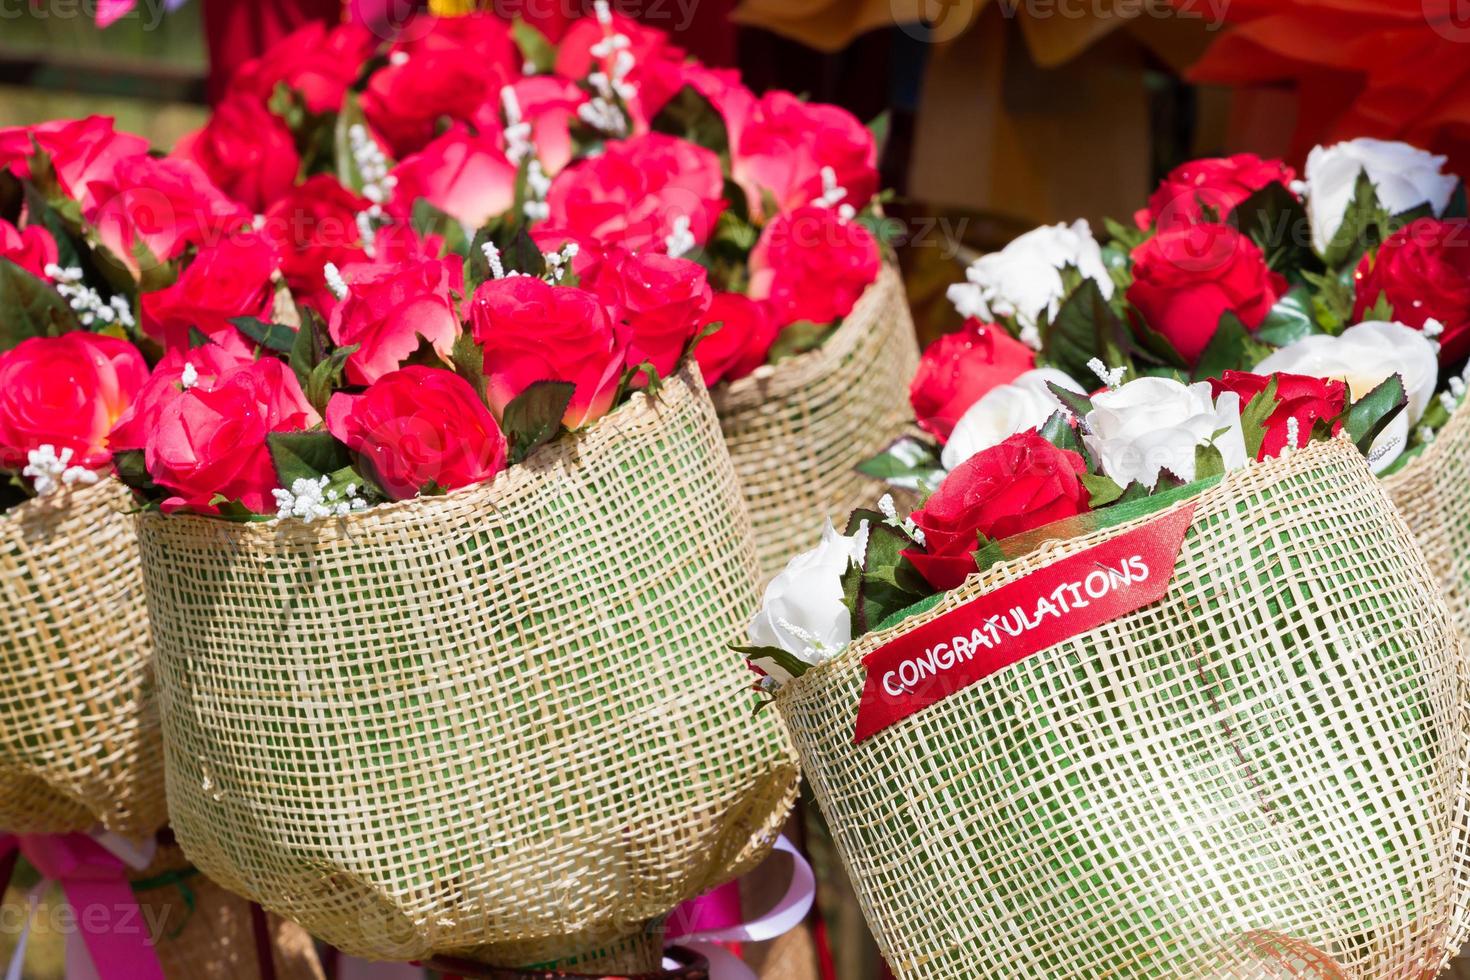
column 464, row 175
column 636, row 193
column 446, row 68
column 784, row 143
column 317, row 62
column 810, row 265
column 1217, row 183
column 532, row 331
column 82, row 151
column 312, row 225
column 32, row 249
column 390, row 307
column 151, row 210
column 246, row 151
column 207, row 364
column 227, row 280
column 211, row 441
column 419, row 427
column 66, row 392
column 742, row 342
column 661, row 300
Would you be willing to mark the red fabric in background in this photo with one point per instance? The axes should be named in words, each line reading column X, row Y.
column 1391, row 69
column 238, row 30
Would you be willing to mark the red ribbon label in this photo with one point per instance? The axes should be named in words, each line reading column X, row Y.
column 1008, row 624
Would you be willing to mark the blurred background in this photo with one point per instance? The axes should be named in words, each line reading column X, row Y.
column 1003, row 114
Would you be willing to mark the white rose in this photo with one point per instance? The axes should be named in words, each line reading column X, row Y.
column 1363, row 357
column 1154, row 424
column 802, row 612
column 1024, row 279
column 1404, row 177
column 1025, row 403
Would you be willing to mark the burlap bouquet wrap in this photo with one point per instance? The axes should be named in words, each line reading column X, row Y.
column 797, row 430
column 504, row 722
column 79, row 738
column 1277, row 746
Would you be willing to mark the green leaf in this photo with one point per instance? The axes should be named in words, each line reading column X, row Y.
column 1290, row 319
column 798, row 338
column 1103, row 489
column 907, row 464
column 12, row 197
column 1277, row 222
column 132, row 470
column 306, row 455
column 469, row 363
column 326, row 376
column 1208, row 461
column 1076, row 402
column 1085, row 327
column 1127, row 237
column 987, row 552
column 1253, row 418
column 1059, row 431
column 524, row 255
column 535, row 48
column 1457, row 208
column 533, row 417
column 887, row 581
column 349, row 115
column 307, row 345
column 29, row 307
column 788, row 662
column 273, row 336
column 1363, row 226
column 1368, row 416
column 881, row 127
column 1226, row 351
column 691, row 117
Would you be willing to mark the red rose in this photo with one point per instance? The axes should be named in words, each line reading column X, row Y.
column 317, row 62
column 246, row 151
column 419, row 427
column 211, row 440
column 636, row 193
column 959, row 368
column 82, row 151
column 785, row 143
column 1424, row 270
column 151, row 210
column 1298, row 396
column 465, row 176
column 205, row 365
column 661, row 300
column 1219, row 183
column 1020, row 484
column 314, row 224
column 532, row 331
column 811, row 265
column 1185, row 278
column 32, row 249
column 742, row 342
column 390, row 307
column 224, row 281
column 66, row 392
column 447, row 68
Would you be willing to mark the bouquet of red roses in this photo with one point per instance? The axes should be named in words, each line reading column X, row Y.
column 471, row 130
column 1082, row 695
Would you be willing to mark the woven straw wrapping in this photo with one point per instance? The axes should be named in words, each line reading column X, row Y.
column 1279, row 745
column 78, row 722
column 503, row 723
column 798, row 430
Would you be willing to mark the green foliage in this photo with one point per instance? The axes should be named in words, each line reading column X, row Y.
column 275, row 337
column 798, row 338
column 29, row 307
column 1291, row 319
column 536, row 49
column 533, row 417
column 1276, row 221
column 1253, row 418
column 691, row 117
column 886, row 581
column 1368, row 416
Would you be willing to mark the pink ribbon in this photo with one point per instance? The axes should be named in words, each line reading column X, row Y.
column 110, row 938
column 716, row 917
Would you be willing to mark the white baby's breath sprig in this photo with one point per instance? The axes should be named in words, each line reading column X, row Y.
column 313, row 500
column 336, row 285
column 49, row 471
column 378, row 183
column 834, row 196
column 1110, row 377
column 492, row 258
column 889, row 510
column 91, row 309
column 559, row 261
column 1448, row 401
column 681, row 239
column 1293, row 434
column 601, row 111
column 189, row 377
column 538, row 185
column 1426, row 434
